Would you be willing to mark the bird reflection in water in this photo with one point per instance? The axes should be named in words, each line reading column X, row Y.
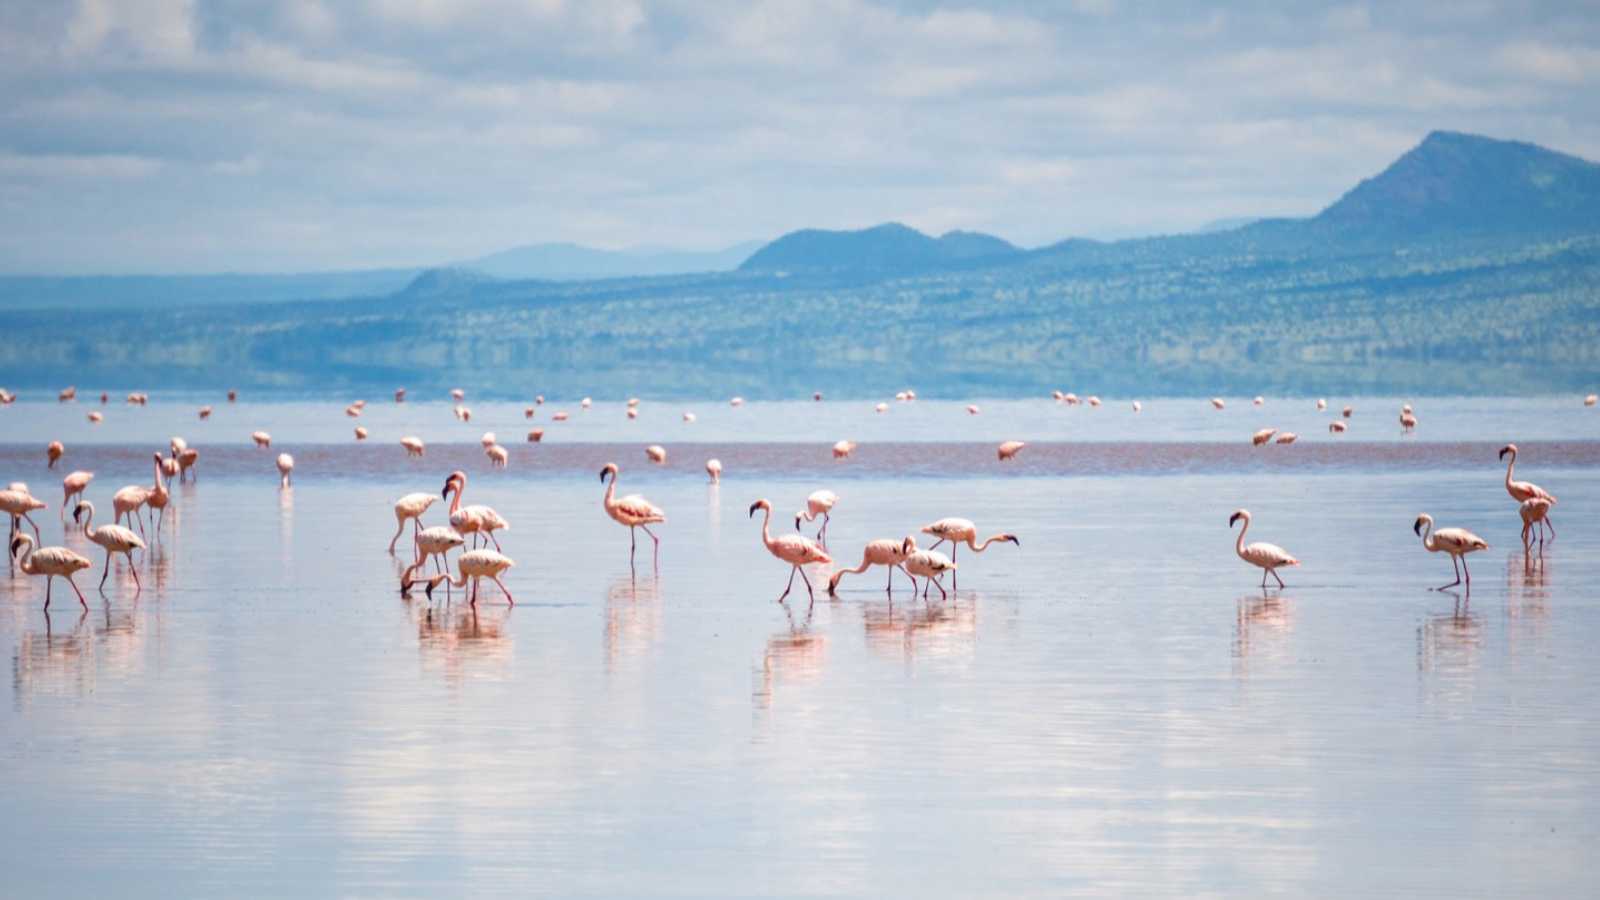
column 74, row 649
column 1449, row 643
column 795, row 656
column 457, row 637
column 912, row 629
column 285, row 524
column 1527, row 596
column 1261, row 627
column 633, row 618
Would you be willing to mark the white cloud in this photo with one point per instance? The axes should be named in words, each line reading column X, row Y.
column 1549, row 63
column 79, row 166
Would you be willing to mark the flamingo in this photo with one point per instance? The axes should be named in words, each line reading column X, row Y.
column 1533, row 511
column 261, row 438
column 881, row 407
column 1137, row 406
column 17, row 502
column 1287, row 437
column 843, row 449
column 186, row 460
column 972, row 409
column 95, row 418
column 633, row 413
column 585, row 403
column 159, row 496
column 411, row 506
column 1321, row 404
column 1092, row 400
column 432, row 543
column 536, row 435
column 499, row 457
column 205, row 413
column 457, row 394
column 527, row 412
column 1457, row 542
column 959, row 531
column 114, row 538
column 1216, row 403
column 1010, row 449
column 795, row 549
column 820, row 503
column 285, row 466
column 656, row 454
column 714, row 469
column 54, row 452
column 399, row 395
column 736, row 401
column 931, row 565
column 233, row 396
column 884, row 552
column 73, row 486
column 1262, row 436
column 560, row 416
column 1070, row 399
column 413, row 445
column 51, row 562
column 632, row 402
column 352, row 411
column 817, row 396
column 126, row 502
column 1268, row 556
column 67, row 393
column 361, row 433
column 1349, row 411
column 1591, row 399
column 1523, row 490
column 689, row 417
column 478, row 520
column 633, row 511
column 1259, row 400
column 1336, row 427
column 1408, row 422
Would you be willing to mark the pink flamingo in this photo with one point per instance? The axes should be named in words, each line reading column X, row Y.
column 714, row 469
column 884, row 552
column 73, row 486
column 51, row 562
column 1533, row 511
column 820, row 503
column 126, row 502
column 795, row 549
column 1336, row 427
column 1262, row 436
column 261, row 438
column 1010, row 449
column 931, row 565
column 476, row 565
column 285, row 468
column 477, row 520
column 959, row 531
column 413, row 445
column 17, row 502
column 1457, row 542
column 432, row 543
column 633, row 511
column 1526, row 490
column 411, row 507
column 1268, row 556
column 159, row 496
column 499, row 457
column 114, row 538
column 843, row 449
column 54, row 452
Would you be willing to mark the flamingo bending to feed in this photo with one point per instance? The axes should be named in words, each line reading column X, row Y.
column 820, row 503
column 1526, row 490
column 477, row 520
column 972, row 409
column 795, row 549
column 476, row 565
column 1262, row 436
column 187, row 457
column 714, row 469
column 285, row 466
column 17, row 502
column 1216, row 403
column 1533, row 511
column 432, row 543
column 633, row 511
column 412, row 444
column 931, row 565
column 411, row 506
column 159, row 496
column 884, row 552
column 73, row 486
column 261, row 438
column 205, row 413
column 95, row 418
column 114, row 538
column 959, row 531
column 1457, row 542
column 51, row 562
column 1268, row 556
column 1010, row 449
column 499, row 456
column 54, row 452
column 536, row 435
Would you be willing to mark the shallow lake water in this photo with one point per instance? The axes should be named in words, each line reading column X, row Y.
column 1114, row 706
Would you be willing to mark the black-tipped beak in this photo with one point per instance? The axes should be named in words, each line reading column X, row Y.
column 405, row 588
column 906, row 545
column 429, row 589
column 15, row 543
column 602, row 474
column 1232, row 519
column 796, row 523
column 1504, row 451
column 1417, row 527
column 1013, row 539
column 753, row 508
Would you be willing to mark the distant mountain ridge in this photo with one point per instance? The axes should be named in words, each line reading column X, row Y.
column 575, row 262
column 890, row 247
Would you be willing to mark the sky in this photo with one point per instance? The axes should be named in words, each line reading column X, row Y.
column 195, row 136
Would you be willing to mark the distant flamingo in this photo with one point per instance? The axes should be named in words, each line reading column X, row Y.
column 95, row 418
column 186, row 460
column 17, row 503
column 410, row 507
column 1591, row 399
column 689, row 417
column 656, row 454
column 488, row 440
column 1092, row 400
column 1336, row 427
column 819, row 503
column 1137, row 406
column 352, row 411
column 53, row 453
column 458, row 395
column 881, row 407
column 633, row 511
column 972, row 409
column 73, row 486
column 1321, row 404
column 1524, row 490
column 261, row 438
column 399, row 395
column 1216, row 403
column 1287, row 437
column 1349, row 411
column 714, row 469
column 159, row 496
column 1533, row 511
column 1010, row 449
column 884, row 552
column 843, row 449
column 736, row 401
column 477, row 520
column 536, row 435
column 285, row 467
column 1070, row 399
column 1408, row 422
column 1268, row 556
column 1262, row 436
column 1457, row 542
column 585, row 403
column 499, row 457
column 795, row 549
column 361, row 433
column 931, row 565
column 205, row 413
column 633, row 413
column 413, row 445
column 963, row 531
column 1258, row 401
column 560, row 416
column 114, row 538
column 233, row 396
column 51, row 562
column 527, row 412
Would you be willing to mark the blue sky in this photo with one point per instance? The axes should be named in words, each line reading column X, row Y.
column 183, row 135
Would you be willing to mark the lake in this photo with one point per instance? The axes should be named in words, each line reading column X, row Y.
column 1112, row 707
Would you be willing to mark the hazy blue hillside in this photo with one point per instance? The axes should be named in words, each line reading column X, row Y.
column 93, row 291
column 887, row 248
column 568, row 262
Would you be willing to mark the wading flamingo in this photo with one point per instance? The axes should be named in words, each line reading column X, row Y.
column 233, row 396
column 399, row 395
column 477, row 520
column 972, row 409
column 881, row 407
column 432, row 543
column 536, row 435
column 1349, row 411
column 285, row 466
column 1336, row 427
column 795, row 549
column 261, row 438
column 114, row 538
column 689, row 417
column 633, row 511
column 499, row 457
column 126, row 502
column 476, row 565
column 73, row 486
column 54, row 452
column 411, row 507
column 1262, row 436
column 1533, row 511
column 159, row 497
column 884, row 552
column 1408, row 422
column 1321, row 404
column 187, row 457
column 1092, row 400
column 1287, row 437
column 1137, row 406
column 95, row 418
column 1590, row 400
column 633, row 413
column 1216, row 403
column 1457, row 542
column 412, row 444
column 51, row 562
column 488, row 440
column 820, row 503
column 656, row 454
column 1010, row 449
column 963, row 531
column 205, row 413
column 361, row 433
column 714, row 469
column 1524, row 490
column 1268, row 556
column 931, row 565
column 843, row 449
column 736, row 401
column 16, row 502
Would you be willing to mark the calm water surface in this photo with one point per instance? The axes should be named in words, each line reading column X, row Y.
column 1113, row 706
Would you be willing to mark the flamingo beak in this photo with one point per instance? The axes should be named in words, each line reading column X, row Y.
column 753, row 508
column 1013, row 539
column 405, row 588
column 1416, row 527
column 15, row 545
column 1504, row 451
column 75, row 510
column 1232, row 519
column 429, row 589
column 796, row 523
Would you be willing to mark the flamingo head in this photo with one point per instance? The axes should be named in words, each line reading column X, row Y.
column 608, row 469
column 1509, row 448
column 456, row 481
column 909, row 545
column 1237, row 515
column 833, row 583
column 760, row 504
column 1422, row 520
column 77, row 510
column 1013, row 538
column 18, row 541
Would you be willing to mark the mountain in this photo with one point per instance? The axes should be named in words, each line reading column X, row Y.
column 105, row 291
column 888, row 248
column 1463, row 183
column 573, row 262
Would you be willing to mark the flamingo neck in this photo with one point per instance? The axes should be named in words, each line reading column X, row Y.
column 766, row 528
column 1427, row 533
column 1238, row 545
column 455, row 499
column 611, row 492
column 1510, row 464
column 89, row 519
column 159, row 485
column 26, row 562
column 977, row 548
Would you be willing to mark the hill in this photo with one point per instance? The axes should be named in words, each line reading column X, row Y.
column 573, row 262
column 888, row 248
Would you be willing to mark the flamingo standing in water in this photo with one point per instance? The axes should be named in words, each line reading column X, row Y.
column 633, row 511
column 1533, row 511
column 1526, row 490
column 1262, row 436
column 476, row 565
column 1457, row 542
column 1268, row 556
column 261, row 438
column 499, row 456
column 413, row 445
column 411, row 506
column 931, row 565
column 843, row 449
column 477, row 520
column 1336, row 427
column 51, row 562
column 159, row 496
column 432, row 543
column 714, row 469
column 795, row 549
column 885, row 552
column 126, row 502
column 285, row 467
column 54, row 452
column 1010, row 449
column 187, row 457
column 73, row 486
column 959, row 531
column 820, row 503
column 114, row 538
column 17, row 503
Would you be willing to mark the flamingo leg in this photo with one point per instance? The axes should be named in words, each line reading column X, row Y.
column 503, row 590
column 495, row 539
column 790, row 585
column 1550, row 524
column 1277, row 577
column 953, row 548
column 138, row 588
column 397, row 532
column 35, row 525
column 812, row 594
column 1455, row 568
column 633, row 544
column 1467, row 570
column 889, row 587
column 474, row 598
column 937, row 584
column 657, row 543
column 75, row 590
column 49, row 580
column 1264, row 579
column 106, row 573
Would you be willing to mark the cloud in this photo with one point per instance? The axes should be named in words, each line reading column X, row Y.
column 77, row 167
